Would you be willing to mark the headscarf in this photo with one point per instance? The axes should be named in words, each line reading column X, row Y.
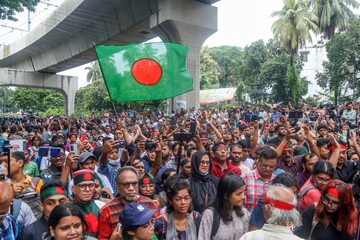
column 203, row 186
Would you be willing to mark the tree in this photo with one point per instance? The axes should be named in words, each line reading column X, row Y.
column 229, row 61
column 8, row 8
column 332, row 14
column 293, row 26
column 94, row 72
column 293, row 29
column 6, row 100
column 37, row 100
column 254, row 56
column 209, row 70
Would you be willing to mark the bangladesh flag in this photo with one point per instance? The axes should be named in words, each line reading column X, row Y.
column 144, row 71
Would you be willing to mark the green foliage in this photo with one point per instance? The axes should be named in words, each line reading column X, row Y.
column 332, row 14
column 6, row 100
column 229, row 60
column 37, row 100
column 8, row 8
column 341, row 69
column 53, row 111
column 209, row 70
column 294, row 25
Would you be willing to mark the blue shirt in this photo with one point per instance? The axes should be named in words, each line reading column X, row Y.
column 257, row 216
column 110, row 172
column 9, row 228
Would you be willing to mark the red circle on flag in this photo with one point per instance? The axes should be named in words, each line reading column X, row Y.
column 146, row 71
column 59, row 190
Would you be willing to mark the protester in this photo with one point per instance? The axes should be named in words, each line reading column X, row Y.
column 83, row 192
column 257, row 219
column 334, row 217
column 227, row 219
column 179, row 222
column 203, row 185
column 66, row 221
column 9, row 227
column 258, row 180
column 310, row 192
column 51, row 195
column 221, row 164
column 307, row 162
column 137, row 222
column 280, row 206
column 128, row 189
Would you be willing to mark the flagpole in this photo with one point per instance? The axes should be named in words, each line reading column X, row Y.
column 116, row 114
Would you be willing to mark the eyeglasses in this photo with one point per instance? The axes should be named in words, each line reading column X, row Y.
column 323, row 180
column 127, row 184
column 83, row 187
column 204, row 163
column 327, row 201
column 264, row 166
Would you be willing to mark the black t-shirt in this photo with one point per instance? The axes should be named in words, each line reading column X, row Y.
column 320, row 232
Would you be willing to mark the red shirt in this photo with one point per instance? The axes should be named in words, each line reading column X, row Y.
column 110, row 213
column 311, row 196
column 218, row 171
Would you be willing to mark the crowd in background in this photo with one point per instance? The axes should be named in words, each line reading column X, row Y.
column 240, row 173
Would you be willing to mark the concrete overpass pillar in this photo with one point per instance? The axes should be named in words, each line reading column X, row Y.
column 188, row 22
column 67, row 85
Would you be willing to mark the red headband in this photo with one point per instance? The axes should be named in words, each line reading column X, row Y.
column 333, row 191
column 278, row 204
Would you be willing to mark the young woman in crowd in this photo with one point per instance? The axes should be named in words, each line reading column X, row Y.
column 334, row 217
column 228, row 219
column 310, row 192
column 203, row 184
column 185, row 166
column 66, row 221
column 137, row 223
column 179, row 222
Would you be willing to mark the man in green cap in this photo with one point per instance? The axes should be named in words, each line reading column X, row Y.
column 51, row 195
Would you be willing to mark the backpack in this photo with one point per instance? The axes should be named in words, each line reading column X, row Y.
column 216, row 221
column 15, row 208
column 303, row 192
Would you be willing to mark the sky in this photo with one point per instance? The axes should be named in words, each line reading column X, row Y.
column 240, row 22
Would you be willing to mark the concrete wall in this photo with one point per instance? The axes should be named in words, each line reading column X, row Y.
column 67, row 85
column 188, row 22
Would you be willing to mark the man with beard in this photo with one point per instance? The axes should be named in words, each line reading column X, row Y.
column 307, row 162
column 287, row 161
column 128, row 188
column 349, row 115
column 54, row 171
column 221, row 164
column 281, row 134
column 344, row 167
column 237, row 158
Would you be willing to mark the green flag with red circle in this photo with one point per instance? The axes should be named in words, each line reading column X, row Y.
column 150, row 71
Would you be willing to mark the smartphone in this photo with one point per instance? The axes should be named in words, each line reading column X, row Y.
column 74, row 148
column 193, row 128
column 43, row 151
column 55, row 152
column 121, row 144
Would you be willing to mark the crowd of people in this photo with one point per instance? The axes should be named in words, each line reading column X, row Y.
column 241, row 173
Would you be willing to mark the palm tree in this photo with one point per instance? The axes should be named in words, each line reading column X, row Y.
column 332, row 14
column 293, row 29
column 93, row 73
column 293, row 26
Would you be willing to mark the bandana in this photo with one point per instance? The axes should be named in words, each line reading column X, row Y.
column 52, row 191
column 332, row 191
column 146, row 179
column 82, row 176
column 278, row 204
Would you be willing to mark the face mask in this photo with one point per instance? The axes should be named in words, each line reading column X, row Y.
column 113, row 162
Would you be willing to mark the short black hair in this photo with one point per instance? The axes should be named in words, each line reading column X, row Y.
column 268, row 154
column 18, row 155
column 322, row 141
column 245, row 143
column 235, row 145
column 286, row 179
column 306, row 157
column 322, row 126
